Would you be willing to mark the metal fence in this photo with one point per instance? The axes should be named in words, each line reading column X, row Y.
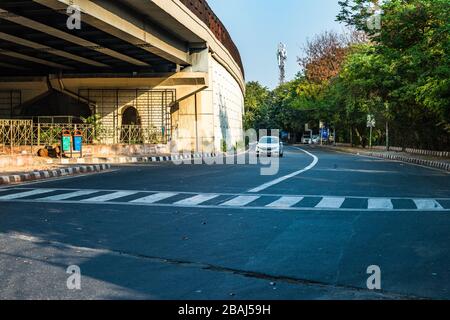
column 15, row 133
column 139, row 135
column 50, row 133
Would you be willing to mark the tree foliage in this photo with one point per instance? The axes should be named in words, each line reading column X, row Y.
column 400, row 73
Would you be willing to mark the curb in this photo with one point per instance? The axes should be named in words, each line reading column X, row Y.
column 423, row 162
column 445, row 166
column 40, row 175
column 119, row 160
column 441, row 154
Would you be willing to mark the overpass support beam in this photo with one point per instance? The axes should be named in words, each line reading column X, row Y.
column 105, row 17
column 67, row 37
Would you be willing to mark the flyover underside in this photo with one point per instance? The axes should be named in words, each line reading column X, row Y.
column 35, row 40
column 159, row 69
column 50, row 70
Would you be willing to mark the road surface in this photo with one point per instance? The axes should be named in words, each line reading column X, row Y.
column 166, row 231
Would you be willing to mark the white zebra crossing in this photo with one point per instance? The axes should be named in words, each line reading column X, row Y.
column 200, row 200
column 380, row 204
column 25, row 194
column 155, row 198
column 240, row 201
column 110, row 196
column 285, row 202
column 330, row 203
column 427, row 204
column 71, row 195
column 196, row 200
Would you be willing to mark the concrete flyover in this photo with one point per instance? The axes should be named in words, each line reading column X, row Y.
column 167, row 65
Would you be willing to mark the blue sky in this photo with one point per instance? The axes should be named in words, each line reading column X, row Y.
column 257, row 26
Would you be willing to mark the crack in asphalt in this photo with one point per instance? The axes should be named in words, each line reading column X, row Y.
column 382, row 294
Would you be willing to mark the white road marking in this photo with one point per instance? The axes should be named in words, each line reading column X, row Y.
column 155, row 197
column 26, row 194
column 237, row 200
column 201, row 198
column 379, row 203
column 427, row 204
column 289, row 176
column 240, row 201
column 285, row 202
column 70, row 195
column 110, row 196
column 331, row 203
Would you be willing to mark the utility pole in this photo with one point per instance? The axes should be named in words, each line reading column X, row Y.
column 387, row 126
column 387, row 135
column 282, row 57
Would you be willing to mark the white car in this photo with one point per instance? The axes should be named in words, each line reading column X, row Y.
column 270, row 146
column 316, row 139
column 307, row 139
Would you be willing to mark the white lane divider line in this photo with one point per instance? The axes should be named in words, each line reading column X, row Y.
column 240, row 201
column 380, row 204
column 110, row 196
column 66, row 196
column 155, row 198
column 287, row 177
column 427, row 204
column 196, row 200
column 285, row 202
column 26, row 194
column 331, row 203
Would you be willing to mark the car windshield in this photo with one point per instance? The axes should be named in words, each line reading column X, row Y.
column 269, row 140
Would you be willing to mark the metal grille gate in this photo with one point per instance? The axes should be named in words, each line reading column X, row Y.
column 153, row 107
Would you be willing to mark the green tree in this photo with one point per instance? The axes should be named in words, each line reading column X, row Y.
column 256, row 106
column 406, row 68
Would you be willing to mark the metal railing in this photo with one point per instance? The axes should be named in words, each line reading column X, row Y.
column 130, row 134
column 15, row 133
column 50, row 133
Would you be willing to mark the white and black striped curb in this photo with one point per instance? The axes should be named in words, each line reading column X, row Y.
column 39, row 175
column 428, row 163
column 440, row 154
column 118, row 160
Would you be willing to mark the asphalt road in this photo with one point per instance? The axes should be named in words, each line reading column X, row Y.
column 166, row 231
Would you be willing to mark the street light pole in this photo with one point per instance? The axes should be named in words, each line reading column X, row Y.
column 387, row 135
column 387, row 126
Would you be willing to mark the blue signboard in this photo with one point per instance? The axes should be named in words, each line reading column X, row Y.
column 325, row 133
column 77, row 143
column 66, row 143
